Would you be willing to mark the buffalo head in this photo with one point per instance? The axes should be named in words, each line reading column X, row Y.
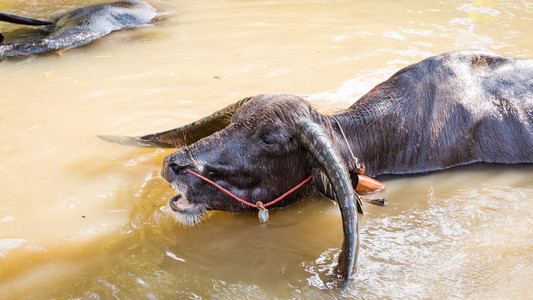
column 257, row 149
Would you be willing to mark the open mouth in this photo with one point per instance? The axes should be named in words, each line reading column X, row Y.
column 185, row 211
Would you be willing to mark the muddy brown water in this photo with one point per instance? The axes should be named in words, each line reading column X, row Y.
column 81, row 218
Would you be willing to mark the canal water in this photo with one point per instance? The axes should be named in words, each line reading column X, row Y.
column 82, row 218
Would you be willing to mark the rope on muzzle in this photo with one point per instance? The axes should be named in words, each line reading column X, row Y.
column 263, row 212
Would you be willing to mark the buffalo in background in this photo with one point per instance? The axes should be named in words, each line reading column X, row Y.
column 77, row 27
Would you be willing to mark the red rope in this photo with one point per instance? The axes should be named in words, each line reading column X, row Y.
column 241, row 200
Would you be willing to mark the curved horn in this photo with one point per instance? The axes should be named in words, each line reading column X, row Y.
column 21, row 20
column 318, row 143
column 184, row 135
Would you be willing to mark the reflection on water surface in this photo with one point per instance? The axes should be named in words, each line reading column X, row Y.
column 82, row 218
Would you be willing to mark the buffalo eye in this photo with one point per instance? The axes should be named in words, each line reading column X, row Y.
column 267, row 141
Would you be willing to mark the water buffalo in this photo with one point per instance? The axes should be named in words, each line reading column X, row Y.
column 77, row 27
column 452, row 109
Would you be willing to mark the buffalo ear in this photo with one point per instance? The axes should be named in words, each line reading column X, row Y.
column 184, row 135
column 333, row 174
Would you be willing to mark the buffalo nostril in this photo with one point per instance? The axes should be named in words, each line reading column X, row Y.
column 174, row 165
column 177, row 168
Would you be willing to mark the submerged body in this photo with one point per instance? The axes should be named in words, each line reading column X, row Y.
column 82, row 26
column 453, row 109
